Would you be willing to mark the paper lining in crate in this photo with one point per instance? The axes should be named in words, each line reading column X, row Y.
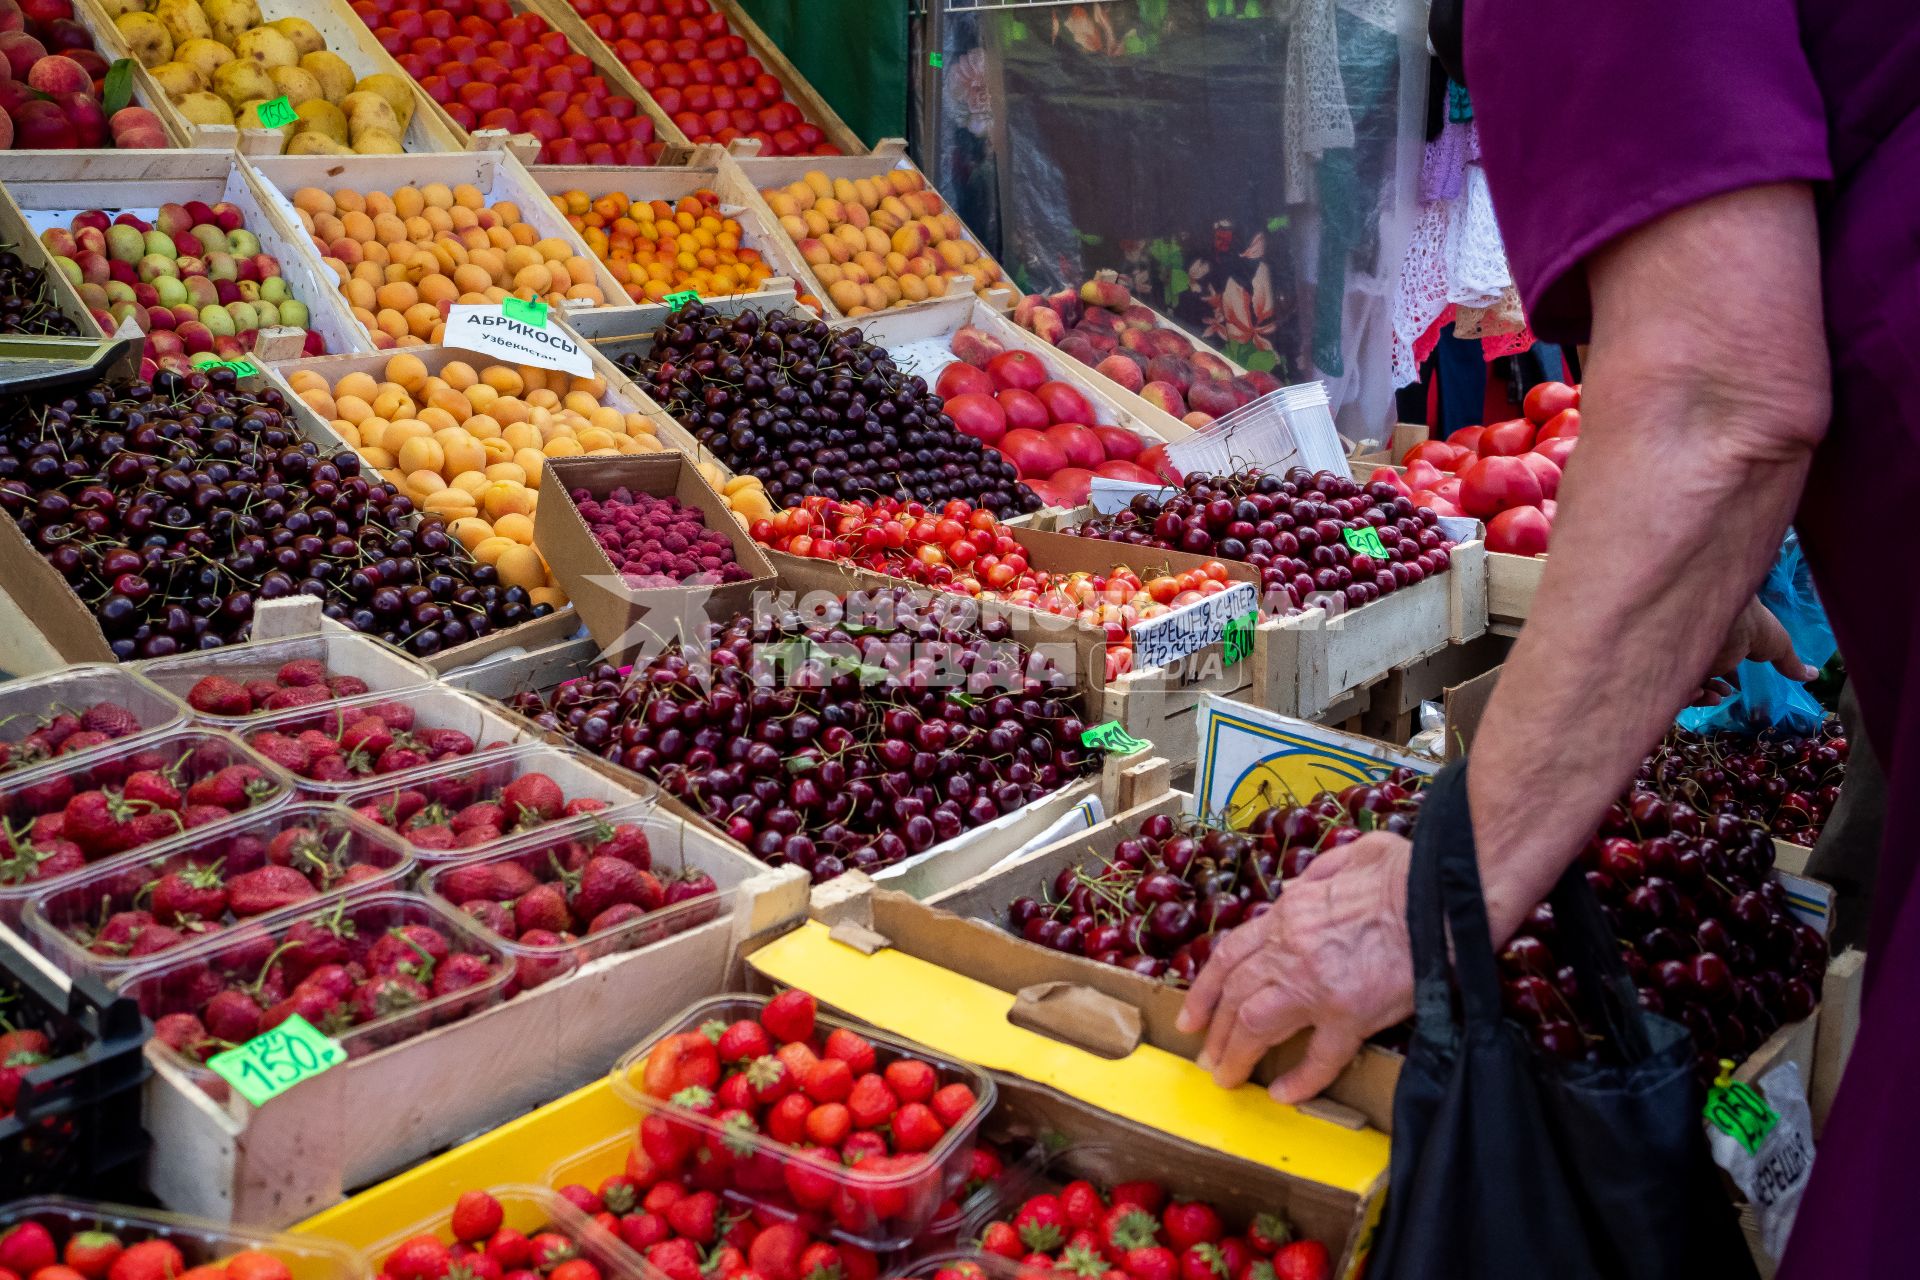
column 477, row 181
column 50, row 187
column 357, row 55
column 888, row 162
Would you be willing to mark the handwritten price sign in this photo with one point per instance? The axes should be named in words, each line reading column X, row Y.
column 274, row 1061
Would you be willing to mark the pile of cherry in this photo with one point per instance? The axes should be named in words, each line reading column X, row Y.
column 1786, row 782
column 834, row 742
column 1159, row 903
column 1293, row 529
column 817, row 411
column 172, row 507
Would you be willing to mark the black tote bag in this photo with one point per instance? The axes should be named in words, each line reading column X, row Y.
column 1509, row 1164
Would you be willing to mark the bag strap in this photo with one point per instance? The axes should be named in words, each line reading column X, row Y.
column 1444, row 884
column 1585, row 941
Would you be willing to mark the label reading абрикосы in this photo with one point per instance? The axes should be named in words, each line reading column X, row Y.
column 490, row 331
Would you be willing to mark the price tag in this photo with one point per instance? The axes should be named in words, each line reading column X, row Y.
column 276, row 113
column 1111, row 737
column 1237, row 641
column 1365, row 541
column 241, row 368
column 1739, row 1111
column 1168, row 637
column 274, row 1061
column 492, row 331
column 936, row 60
column 675, row 301
column 526, row 311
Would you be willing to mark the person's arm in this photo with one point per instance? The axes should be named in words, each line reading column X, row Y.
column 1706, row 394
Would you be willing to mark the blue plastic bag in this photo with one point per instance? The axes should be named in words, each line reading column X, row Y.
column 1762, row 697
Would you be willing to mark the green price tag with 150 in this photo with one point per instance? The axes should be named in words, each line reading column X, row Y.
column 1365, row 542
column 277, row 113
column 274, row 1061
column 675, row 301
column 241, row 368
column 1111, row 737
column 1739, row 1111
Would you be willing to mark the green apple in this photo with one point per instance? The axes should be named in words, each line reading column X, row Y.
column 274, row 289
column 124, row 244
column 153, row 266
column 172, row 291
column 242, row 242
column 218, row 320
column 293, row 312
column 160, row 244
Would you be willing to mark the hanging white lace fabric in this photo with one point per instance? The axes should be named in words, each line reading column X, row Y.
column 1318, row 117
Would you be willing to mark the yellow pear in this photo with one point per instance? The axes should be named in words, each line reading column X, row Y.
column 267, row 47
column 241, row 81
column 332, row 71
column 147, row 38
column 305, row 37
column 230, row 19
column 294, row 84
column 184, row 20
column 204, row 56
column 204, row 108
column 397, row 92
column 177, row 79
column 321, row 116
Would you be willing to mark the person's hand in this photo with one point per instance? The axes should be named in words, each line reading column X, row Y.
column 1331, row 954
column 1756, row 636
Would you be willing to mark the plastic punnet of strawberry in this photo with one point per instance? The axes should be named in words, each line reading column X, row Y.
column 264, row 677
column 843, row 1129
column 508, row 1230
column 368, row 970
column 117, row 916
column 471, row 806
column 570, row 891
column 117, row 1242
column 335, row 747
column 79, row 712
column 57, row 822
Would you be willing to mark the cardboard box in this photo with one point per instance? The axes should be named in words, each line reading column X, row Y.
column 625, row 619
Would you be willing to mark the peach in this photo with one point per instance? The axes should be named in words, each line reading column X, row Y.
column 1110, row 294
column 974, row 346
column 1164, row 395
column 1206, row 364
column 1212, row 396
column 1046, row 325
column 1172, row 370
column 1123, row 371
column 1167, row 342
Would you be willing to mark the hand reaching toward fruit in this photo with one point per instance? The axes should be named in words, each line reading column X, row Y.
column 1332, row 955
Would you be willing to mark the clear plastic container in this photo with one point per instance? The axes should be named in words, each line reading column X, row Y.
column 377, row 664
column 531, row 1210
column 26, row 705
column 431, row 707
column 185, row 980
column 201, row 1242
column 556, row 849
column 963, row 1264
column 876, row 1211
column 184, row 755
column 455, row 785
column 347, row 853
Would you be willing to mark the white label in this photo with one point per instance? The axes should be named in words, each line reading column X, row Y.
column 1773, row 1176
column 1169, row 637
column 1109, row 496
column 491, row 332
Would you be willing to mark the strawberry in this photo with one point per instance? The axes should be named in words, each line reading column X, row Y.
column 1126, row 1227
column 408, row 949
column 911, row 1080
column 194, row 893
column 787, row 1121
column 146, row 828
column 811, row 1180
column 1082, row 1203
column 442, row 744
column 821, row 1261
column 550, row 1249
column 181, row 1032
column 1148, row 1195
column 473, row 882
column 725, row 1262
column 461, row 972
column 484, row 814
column 199, row 815
column 367, row 735
column 769, row 1079
column 618, row 1194
column 150, row 788
column 685, row 1059
column 1155, row 1262
column 985, row 1166
column 148, row 1260
column 1302, row 1260
column 583, row 804
column 660, row 1195
column 628, row 842
column 689, row 884
column 775, row 1252
column 532, row 970
column 851, row 1048
column 543, row 907
column 1083, row 1261
column 398, row 758
column 232, row 788
column 398, row 715
column 614, row 916
column 828, row 1080
column 476, row 1215
column 258, row 691
column 289, row 753
column 496, row 916
column 287, row 699
column 607, row 881
column 268, row 888
column 346, row 686
column 421, row 1257
column 154, row 939
column 395, row 993
column 509, row 1248
column 1235, row 1255
column 575, row 1269
column 798, row 1057
column 952, row 1104
column 26, row 1248
column 695, row 1217
column 532, row 798
column 829, row 1124
column 1001, row 1239
column 1202, row 1262
column 317, row 744
column 640, row 1231
column 742, row 1040
column 581, row 1197
column 1041, row 1222
column 788, row 1017
column 302, row 672
column 113, row 720
column 1190, row 1222
column 93, row 1253
column 1268, row 1232
column 91, row 822
column 83, row 740
column 915, row 1128
column 219, row 696
column 432, row 836
column 676, row 1259
column 861, row 1145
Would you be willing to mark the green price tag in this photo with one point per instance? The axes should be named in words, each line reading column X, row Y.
column 526, row 312
column 274, row 1061
column 675, row 301
column 1365, row 541
column 936, row 60
column 241, row 368
column 1739, row 1111
column 1237, row 641
column 1111, row 737
column 276, row 113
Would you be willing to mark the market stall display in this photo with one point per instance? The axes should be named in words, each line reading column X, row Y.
column 59, row 57
column 87, row 711
column 228, row 686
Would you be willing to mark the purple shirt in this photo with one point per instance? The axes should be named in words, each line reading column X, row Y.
column 1597, row 116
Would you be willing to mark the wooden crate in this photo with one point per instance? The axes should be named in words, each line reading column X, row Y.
column 19, row 232
column 1511, row 583
column 1405, row 436
column 671, row 184
column 497, row 174
column 50, row 186
column 1392, row 714
column 345, row 34
column 376, row 1116
column 888, row 155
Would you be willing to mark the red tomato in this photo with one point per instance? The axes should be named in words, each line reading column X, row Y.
column 1387, row 475
column 1564, row 425
column 1557, row 450
column 1423, row 475
column 1519, row 531
column 1545, row 470
column 1493, row 485
column 1468, row 438
column 1428, row 498
column 1507, row 439
column 1548, row 399
column 1440, row 453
